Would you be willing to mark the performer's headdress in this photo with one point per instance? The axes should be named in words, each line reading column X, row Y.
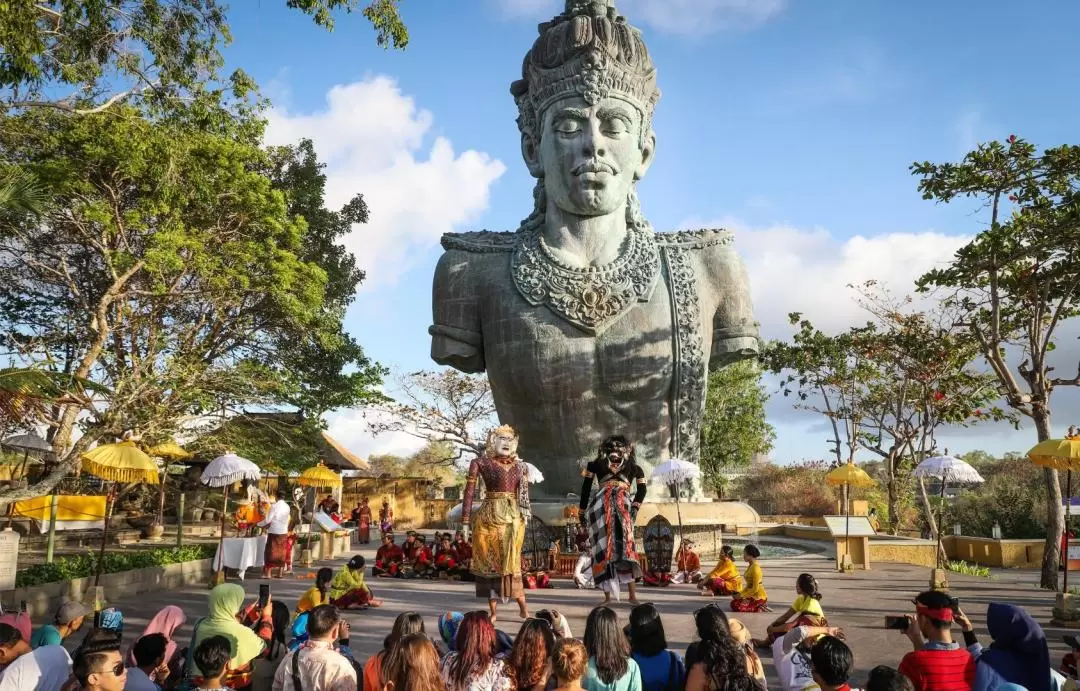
column 501, row 431
column 588, row 51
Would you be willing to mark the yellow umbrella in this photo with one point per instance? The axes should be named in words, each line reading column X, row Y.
column 319, row 476
column 123, row 461
column 849, row 474
column 170, row 450
column 1060, row 454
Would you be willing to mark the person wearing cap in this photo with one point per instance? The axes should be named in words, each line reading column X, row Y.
column 937, row 663
column 46, row 668
column 69, row 619
column 388, row 558
column 688, row 564
column 417, row 558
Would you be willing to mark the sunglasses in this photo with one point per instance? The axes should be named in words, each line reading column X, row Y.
column 117, row 670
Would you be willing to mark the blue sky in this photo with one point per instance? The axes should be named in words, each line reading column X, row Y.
column 793, row 123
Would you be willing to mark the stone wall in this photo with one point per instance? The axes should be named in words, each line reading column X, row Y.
column 43, row 600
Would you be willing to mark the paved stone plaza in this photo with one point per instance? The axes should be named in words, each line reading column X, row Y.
column 857, row 603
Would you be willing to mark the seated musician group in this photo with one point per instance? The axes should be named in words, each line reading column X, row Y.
column 445, row 558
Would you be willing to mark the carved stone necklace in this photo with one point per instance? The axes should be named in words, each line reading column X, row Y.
column 591, row 298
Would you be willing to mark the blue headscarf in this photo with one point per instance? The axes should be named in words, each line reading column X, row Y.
column 1018, row 652
column 448, row 627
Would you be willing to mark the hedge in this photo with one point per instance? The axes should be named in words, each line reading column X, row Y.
column 81, row 566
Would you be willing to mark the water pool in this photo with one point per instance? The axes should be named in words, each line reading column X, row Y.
column 768, row 549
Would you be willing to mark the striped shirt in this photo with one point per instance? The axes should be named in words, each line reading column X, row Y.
column 938, row 669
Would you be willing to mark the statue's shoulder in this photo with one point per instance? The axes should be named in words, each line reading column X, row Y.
column 696, row 239
column 480, row 242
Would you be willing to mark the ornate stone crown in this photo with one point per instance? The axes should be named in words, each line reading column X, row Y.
column 588, row 51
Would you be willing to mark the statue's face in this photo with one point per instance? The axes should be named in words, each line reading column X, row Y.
column 503, row 445
column 590, row 156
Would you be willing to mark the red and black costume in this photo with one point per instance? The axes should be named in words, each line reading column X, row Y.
column 388, row 560
column 417, row 558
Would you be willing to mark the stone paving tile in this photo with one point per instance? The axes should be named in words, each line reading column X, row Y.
column 856, row 602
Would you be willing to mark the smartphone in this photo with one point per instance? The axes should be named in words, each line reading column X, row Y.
column 896, row 622
column 954, row 604
column 264, row 594
column 22, row 606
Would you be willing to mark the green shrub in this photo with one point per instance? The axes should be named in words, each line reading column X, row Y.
column 83, row 565
column 969, row 569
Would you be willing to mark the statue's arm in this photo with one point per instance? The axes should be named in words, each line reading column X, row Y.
column 456, row 334
column 735, row 332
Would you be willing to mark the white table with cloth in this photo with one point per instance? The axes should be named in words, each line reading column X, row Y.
column 240, row 553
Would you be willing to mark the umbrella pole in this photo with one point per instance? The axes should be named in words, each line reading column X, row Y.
column 109, row 500
column 941, row 516
column 221, row 538
column 847, row 520
column 1068, row 507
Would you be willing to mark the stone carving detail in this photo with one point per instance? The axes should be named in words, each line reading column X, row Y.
column 589, row 298
column 691, row 374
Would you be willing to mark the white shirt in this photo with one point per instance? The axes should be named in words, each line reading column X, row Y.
column 137, row 680
column 792, row 666
column 321, row 668
column 278, row 518
column 44, row 669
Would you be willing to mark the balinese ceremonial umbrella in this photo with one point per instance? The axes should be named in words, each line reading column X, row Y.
column 533, row 474
column 30, row 444
column 319, row 476
column 224, row 471
column 847, row 476
column 947, row 469
column 1061, row 454
column 123, row 461
column 169, row 451
column 675, row 471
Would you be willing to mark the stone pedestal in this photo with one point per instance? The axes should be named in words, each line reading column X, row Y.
column 1066, row 611
column 939, row 579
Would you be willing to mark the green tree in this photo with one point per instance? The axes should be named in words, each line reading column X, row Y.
column 734, row 428
column 164, row 266
column 436, row 461
column 84, row 57
column 1018, row 280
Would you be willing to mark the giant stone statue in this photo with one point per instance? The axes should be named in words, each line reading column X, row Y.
column 588, row 322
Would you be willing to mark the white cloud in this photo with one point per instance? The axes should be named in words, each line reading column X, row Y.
column 372, row 138
column 680, row 17
column 350, row 427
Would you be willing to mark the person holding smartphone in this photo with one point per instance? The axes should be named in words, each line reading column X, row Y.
column 318, row 665
column 936, row 663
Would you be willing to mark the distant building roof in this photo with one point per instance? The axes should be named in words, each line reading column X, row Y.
column 337, row 456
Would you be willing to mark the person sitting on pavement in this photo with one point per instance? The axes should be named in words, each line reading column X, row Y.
column 831, row 662
column 791, row 654
column 659, row 666
column 166, row 622
column 885, row 678
column 348, row 590
column 212, row 657
column 417, row 559
column 569, row 663
column 98, row 666
column 583, row 577
column 317, row 665
column 936, row 663
column 724, row 579
column 741, row 634
column 687, row 564
column 69, row 619
column 1018, row 653
column 225, row 606
column 445, row 564
column 406, row 623
column 47, row 667
column 752, row 598
column 151, row 668
column 412, row 665
column 807, row 604
column 388, row 559
column 318, row 594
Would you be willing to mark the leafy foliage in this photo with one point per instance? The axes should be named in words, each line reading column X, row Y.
column 85, row 57
column 1015, row 283
column 444, row 406
column 81, row 566
column 969, row 569
column 436, row 461
column 798, row 489
column 734, row 428
column 1013, row 496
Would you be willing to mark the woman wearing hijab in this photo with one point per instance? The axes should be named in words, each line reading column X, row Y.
column 165, row 622
column 448, row 628
column 224, row 605
column 1018, row 654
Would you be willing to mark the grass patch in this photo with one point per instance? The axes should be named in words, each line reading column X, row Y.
column 970, row 569
column 81, row 566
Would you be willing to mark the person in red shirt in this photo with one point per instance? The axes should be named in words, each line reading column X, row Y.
column 937, row 663
column 388, row 559
column 830, row 663
column 417, row 557
column 445, row 564
column 462, row 554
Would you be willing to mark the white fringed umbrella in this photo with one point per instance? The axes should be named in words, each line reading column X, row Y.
column 224, row 471
column 534, row 474
column 675, row 471
column 947, row 469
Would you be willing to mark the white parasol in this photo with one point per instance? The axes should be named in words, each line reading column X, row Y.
column 228, row 469
column 223, row 471
column 675, row 471
column 454, row 514
column 946, row 468
column 533, row 473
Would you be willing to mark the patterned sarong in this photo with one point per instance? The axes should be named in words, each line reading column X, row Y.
column 498, row 540
column 611, row 527
column 276, row 554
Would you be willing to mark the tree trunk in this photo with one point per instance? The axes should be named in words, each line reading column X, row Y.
column 1055, row 512
column 894, row 506
column 928, row 510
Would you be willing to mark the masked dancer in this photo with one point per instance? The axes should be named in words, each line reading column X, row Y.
column 498, row 529
column 610, row 513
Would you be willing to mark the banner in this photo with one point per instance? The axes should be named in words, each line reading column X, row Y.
column 73, row 512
